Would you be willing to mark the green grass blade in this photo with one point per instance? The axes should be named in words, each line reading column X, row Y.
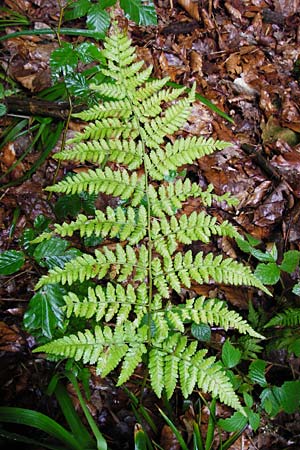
column 10, row 438
column 175, row 431
column 101, row 441
column 40, row 421
column 74, row 422
column 211, row 425
column 66, row 31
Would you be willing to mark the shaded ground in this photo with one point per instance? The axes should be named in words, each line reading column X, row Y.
column 245, row 57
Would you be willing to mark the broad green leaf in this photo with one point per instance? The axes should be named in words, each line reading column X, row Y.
column 3, row 109
column 44, row 314
column 294, row 347
column 52, row 247
column 243, row 245
column 231, row 356
column 89, row 52
column 70, row 205
column 139, row 12
column 254, row 419
column 257, row 372
column 290, row 396
column 201, row 331
column 41, row 223
column 77, row 9
column 262, row 256
column 63, row 60
column 248, row 399
column 252, row 240
column 97, row 19
column 67, row 205
column 53, row 252
column 77, row 85
column 296, row 289
column 267, row 273
column 290, row 261
column 11, row 261
column 271, row 400
column 234, row 423
column 28, row 235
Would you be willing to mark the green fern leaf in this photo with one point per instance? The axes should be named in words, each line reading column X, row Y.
column 129, row 138
column 119, row 109
column 129, row 153
column 117, row 183
column 183, row 151
column 288, row 318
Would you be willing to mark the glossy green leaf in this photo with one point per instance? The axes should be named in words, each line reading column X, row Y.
column 11, row 261
column 41, row 223
column 3, row 109
column 290, row 396
column 271, row 400
column 77, row 9
column 254, row 419
column 77, row 85
column 67, row 205
column 44, row 314
column 52, row 253
column 290, row 261
column 294, row 347
column 243, row 245
column 231, row 356
column 262, row 256
column 257, row 372
column 296, row 289
column 140, row 440
column 248, row 399
column 139, row 12
column 234, row 423
column 28, row 235
column 201, row 331
column 97, row 19
column 268, row 274
column 63, row 60
column 89, row 52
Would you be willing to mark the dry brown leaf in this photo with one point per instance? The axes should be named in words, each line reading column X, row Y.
column 191, row 7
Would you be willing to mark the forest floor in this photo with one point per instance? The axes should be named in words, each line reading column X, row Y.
column 244, row 57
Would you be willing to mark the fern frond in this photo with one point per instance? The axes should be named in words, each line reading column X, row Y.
column 118, row 109
column 171, row 274
column 128, row 134
column 109, row 302
column 106, row 128
column 129, row 224
column 183, row 151
column 288, row 318
column 115, row 91
column 175, row 116
column 170, row 198
column 123, row 152
column 111, row 182
column 150, row 88
column 85, row 267
column 197, row 226
column 151, row 107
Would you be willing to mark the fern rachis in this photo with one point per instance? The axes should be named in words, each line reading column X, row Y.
column 135, row 276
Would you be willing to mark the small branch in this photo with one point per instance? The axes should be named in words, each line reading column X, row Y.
column 39, row 107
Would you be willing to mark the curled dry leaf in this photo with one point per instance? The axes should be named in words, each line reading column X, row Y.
column 191, row 7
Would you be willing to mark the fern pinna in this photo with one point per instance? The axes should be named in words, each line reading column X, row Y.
column 129, row 138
